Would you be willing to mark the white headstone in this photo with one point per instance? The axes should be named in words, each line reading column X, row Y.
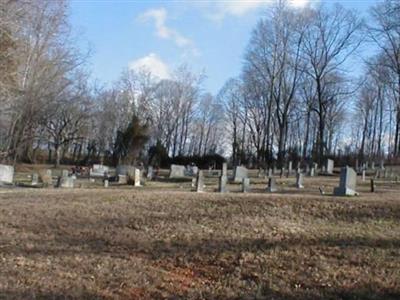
column 299, row 181
column 125, row 169
column 240, row 173
column 222, row 184
column 35, row 179
column 348, row 183
column 224, row 169
column 99, row 170
column 65, row 182
column 245, row 185
column 177, row 171
column 6, row 173
column 136, row 180
column 150, row 173
column 329, row 166
column 200, row 182
column 271, row 185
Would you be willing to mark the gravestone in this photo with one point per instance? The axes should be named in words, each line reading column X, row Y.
column 299, row 180
column 290, row 168
column 98, row 170
column 315, row 165
column 45, row 177
column 106, row 183
column 6, row 174
column 363, row 175
column 373, row 165
column 312, row 172
column 329, row 166
column 224, row 169
column 240, row 173
column 348, row 182
column 245, row 185
column 65, row 182
column 194, row 180
column 382, row 164
column 200, row 182
column 150, row 173
column 64, row 173
column 125, row 169
column 272, row 185
column 260, row 173
column 177, row 171
column 191, row 170
column 122, row 179
column 35, row 179
column 270, row 172
column 222, row 184
column 136, row 179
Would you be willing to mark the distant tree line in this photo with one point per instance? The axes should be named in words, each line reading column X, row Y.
column 298, row 96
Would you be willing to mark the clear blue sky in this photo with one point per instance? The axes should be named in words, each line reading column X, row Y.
column 161, row 35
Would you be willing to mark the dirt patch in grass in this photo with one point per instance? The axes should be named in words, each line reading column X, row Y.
column 144, row 244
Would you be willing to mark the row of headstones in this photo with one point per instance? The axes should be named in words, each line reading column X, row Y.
column 347, row 184
column 366, row 166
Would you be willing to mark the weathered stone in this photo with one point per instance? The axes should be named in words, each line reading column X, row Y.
column 150, row 173
column 224, row 170
column 348, row 182
column 270, row 172
column 6, row 174
column 46, row 177
column 99, row 170
column 122, row 179
column 290, row 168
column 222, row 184
column 200, row 182
column 65, row 182
column 240, row 173
column 329, row 166
column 272, row 185
column 35, row 178
column 106, row 183
column 177, row 171
column 64, row 173
column 124, row 170
column 312, row 172
column 363, row 175
column 299, row 180
column 137, row 177
column 245, row 185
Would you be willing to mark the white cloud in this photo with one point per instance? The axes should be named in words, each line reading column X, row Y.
column 159, row 17
column 153, row 64
column 221, row 9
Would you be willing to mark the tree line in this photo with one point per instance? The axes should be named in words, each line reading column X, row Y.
column 298, row 96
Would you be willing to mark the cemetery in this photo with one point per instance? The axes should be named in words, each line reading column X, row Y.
column 192, row 233
column 195, row 150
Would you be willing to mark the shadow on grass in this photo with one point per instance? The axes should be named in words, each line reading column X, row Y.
column 18, row 295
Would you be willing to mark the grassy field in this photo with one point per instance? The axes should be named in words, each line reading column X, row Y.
column 165, row 242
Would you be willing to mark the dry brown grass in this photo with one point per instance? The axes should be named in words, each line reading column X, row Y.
column 153, row 243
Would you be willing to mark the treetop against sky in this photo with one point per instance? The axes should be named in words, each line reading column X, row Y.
column 210, row 36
